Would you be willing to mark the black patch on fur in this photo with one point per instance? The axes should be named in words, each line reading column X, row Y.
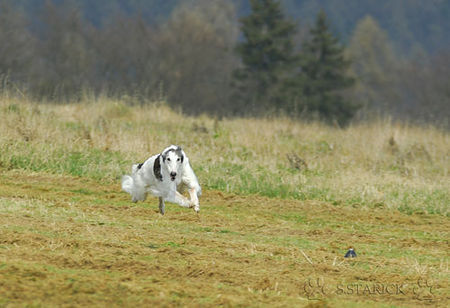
column 140, row 166
column 157, row 168
column 179, row 153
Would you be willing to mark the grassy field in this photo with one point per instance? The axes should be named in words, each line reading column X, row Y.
column 282, row 203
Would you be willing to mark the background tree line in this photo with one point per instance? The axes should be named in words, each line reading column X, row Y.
column 190, row 53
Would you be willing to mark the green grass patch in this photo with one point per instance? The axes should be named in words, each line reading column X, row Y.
column 93, row 163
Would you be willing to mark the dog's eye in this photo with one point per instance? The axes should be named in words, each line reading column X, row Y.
column 168, row 159
column 178, row 159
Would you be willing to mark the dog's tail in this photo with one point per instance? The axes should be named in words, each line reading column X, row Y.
column 136, row 191
column 127, row 184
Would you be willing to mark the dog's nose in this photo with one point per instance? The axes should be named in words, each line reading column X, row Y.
column 173, row 174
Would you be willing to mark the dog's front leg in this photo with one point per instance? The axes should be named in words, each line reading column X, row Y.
column 180, row 200
column 161, row 206
column 194, row 199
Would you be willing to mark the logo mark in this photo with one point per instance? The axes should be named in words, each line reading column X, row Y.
column 423, row 290
column 314, row 288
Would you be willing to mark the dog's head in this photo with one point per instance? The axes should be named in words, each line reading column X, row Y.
column 172, row 160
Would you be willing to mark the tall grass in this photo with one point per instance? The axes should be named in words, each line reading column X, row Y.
column 377, row 164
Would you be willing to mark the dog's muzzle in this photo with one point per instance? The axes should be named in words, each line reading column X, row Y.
column 173, row 175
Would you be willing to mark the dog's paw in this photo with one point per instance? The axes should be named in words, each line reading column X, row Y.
column 197, row 208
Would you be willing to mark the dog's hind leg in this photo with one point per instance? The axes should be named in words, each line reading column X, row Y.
column 161, row 206
column 139, row 196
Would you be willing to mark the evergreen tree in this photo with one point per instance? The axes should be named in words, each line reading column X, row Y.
column 323, row 75
column 267, row 57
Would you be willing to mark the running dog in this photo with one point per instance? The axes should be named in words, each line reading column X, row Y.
column 164, row 175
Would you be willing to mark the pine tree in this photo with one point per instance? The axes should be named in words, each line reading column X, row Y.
column 267, row 57
column 323, row 75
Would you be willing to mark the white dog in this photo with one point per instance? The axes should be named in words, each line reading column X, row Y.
column 164, row 175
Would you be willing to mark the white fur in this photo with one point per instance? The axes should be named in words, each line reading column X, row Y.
column 143, row 180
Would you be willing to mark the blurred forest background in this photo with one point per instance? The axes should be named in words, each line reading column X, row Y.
column 388, row 57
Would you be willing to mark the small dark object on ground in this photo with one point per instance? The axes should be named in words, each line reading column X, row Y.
column 297, row 162
column 350, row 253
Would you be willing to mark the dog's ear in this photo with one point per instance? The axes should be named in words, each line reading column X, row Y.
column 165, row 152
column 179, row 152
column 157, row 168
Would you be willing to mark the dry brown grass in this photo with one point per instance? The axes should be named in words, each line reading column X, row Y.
column 378, row 164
